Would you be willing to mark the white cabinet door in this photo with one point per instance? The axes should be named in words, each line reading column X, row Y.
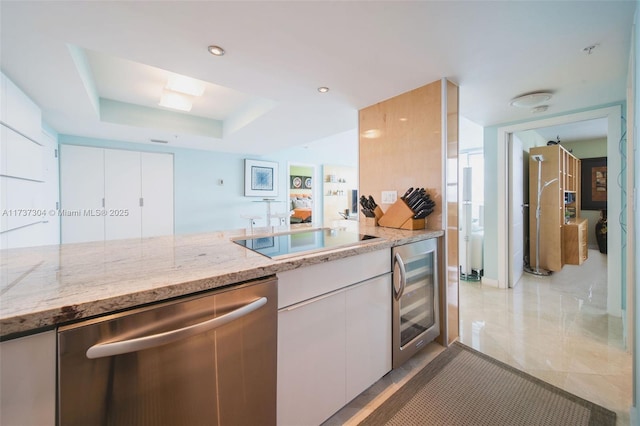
column 20, row 112
column 122, row 194
column 22, row 158
column 368, row 350
column 157, row 194
column 28, row 380
column 82, row 193
column 311, row 361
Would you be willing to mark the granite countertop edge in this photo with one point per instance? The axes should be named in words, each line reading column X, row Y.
column 55, row 308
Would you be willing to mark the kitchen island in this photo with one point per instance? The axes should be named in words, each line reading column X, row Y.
column 43, row 287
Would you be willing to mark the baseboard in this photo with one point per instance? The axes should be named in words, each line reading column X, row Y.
column 490, row 282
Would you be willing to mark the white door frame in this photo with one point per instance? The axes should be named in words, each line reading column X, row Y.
column 614, row 201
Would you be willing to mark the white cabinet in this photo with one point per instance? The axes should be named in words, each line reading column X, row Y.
column 311, row 361
column 334, row 335
column 112, row 194
column 368, row 324
column 28, row 380
column 28, row 188
column 18, row 111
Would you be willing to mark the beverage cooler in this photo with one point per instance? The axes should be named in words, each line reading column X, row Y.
column 415, row 298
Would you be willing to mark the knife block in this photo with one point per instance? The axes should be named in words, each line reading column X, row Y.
column 399, row 215
column 373, row 221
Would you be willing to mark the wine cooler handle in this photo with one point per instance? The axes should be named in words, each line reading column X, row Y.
column 403, row 277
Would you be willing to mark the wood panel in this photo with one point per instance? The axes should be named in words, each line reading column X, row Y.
column 401, row 147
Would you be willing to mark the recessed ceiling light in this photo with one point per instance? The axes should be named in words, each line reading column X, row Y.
column 540, row 108
column 323, row 89
column 215, row 50
column 530, row 99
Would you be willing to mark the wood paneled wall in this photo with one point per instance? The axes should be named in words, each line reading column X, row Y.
column 401, row 146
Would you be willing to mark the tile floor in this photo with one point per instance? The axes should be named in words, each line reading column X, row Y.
column 554, row 328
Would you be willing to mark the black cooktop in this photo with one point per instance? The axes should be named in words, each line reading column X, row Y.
column 297, row 243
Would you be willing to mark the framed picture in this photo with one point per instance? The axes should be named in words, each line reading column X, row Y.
column 593, row 182
column 260, row 178
column 300, row 182
column 306, row 183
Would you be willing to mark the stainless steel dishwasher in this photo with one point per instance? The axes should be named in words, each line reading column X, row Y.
column 208, row 359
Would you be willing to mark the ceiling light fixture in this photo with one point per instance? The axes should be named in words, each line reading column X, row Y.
column 529, row 100
column 175, row 100
column 540, row 108
column 323, row 89
column 216, row 50
column 186, row 85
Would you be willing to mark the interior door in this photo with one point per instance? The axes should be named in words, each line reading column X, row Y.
column 122, row 194
column 157, row 194
column 516, row 211
column 82, row 193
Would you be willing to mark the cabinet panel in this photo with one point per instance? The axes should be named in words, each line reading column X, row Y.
column 575, row 242
column 157, row 193
column 28, row 380
column 20, row 112
column 82, row 191
column 368, row 349
column 122, row 194
column 22, row 158
column 306, row 283
column 311, row 361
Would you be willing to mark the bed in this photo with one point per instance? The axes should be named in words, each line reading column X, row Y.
column 301, row 208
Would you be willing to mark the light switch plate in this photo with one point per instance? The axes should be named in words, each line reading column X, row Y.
column 389, row 197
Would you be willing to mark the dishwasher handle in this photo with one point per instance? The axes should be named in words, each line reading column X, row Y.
column 102, row 350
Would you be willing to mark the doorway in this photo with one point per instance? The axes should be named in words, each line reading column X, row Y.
column 302, row 191
column 612, row 115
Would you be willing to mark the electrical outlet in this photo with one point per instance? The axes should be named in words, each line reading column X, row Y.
column 389, row 197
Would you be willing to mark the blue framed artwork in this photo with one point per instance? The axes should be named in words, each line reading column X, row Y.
column 260, row 178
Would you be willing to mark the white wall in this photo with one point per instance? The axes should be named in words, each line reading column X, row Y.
column 202, row 204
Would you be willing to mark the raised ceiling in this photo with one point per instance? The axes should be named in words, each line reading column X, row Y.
column 85, row 61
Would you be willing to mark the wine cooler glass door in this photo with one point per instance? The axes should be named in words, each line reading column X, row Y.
column 416, row 300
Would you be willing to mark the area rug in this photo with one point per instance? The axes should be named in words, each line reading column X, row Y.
column 463, row 387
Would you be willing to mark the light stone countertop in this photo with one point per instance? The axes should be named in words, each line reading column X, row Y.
column 41, row 287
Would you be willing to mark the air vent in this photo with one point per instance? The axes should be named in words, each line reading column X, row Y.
column 159, row 141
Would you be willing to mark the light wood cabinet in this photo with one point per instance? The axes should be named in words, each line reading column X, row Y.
column 574, row 242
column 559, row 204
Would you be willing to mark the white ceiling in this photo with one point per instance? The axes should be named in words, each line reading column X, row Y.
column 263, row 91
